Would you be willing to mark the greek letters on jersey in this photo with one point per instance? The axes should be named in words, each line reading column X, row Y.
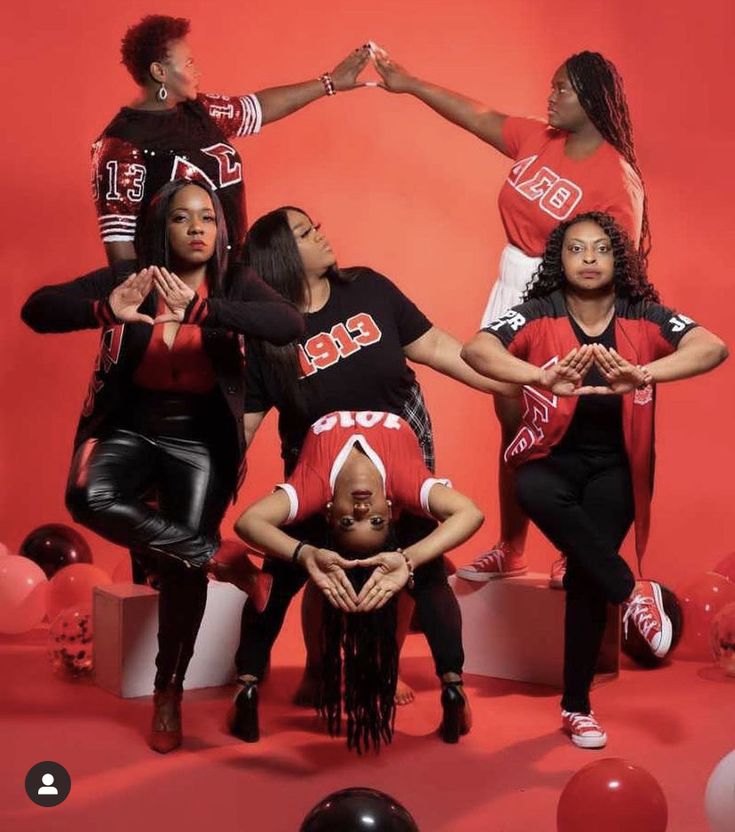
column 343, row 340
column 108, row 355
column 140, row 151
column 388, row 442
column 556, row 195
column 545, row 186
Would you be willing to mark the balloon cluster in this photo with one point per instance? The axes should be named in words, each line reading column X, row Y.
column 52, row 577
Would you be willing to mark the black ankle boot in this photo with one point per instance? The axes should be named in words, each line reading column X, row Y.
column 454, row 719
column 243, row 718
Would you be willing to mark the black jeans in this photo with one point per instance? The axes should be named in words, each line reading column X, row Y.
column 193, row 481
column 436, row 604
column 583, row 502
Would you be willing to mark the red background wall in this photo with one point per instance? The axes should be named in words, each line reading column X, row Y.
column 397, row 189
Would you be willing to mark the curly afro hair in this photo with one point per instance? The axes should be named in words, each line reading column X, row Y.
column 146, row 42
column 629, row 275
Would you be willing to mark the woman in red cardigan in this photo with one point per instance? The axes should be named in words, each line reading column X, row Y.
column 590, row 344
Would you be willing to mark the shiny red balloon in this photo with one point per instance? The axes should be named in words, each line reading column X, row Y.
column 74, row 585
column 611, row 795
column 55, row 546
column 701, row 599
column 726, row 567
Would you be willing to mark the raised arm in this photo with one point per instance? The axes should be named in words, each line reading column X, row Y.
column 472, row 115
column 443, row 352
column 279, row 102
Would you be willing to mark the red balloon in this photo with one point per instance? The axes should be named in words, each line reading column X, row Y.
column 611, row 795
column 726, row 567
column 23, row 588
column 701, row 599
column 73, row 585
column 55, row 546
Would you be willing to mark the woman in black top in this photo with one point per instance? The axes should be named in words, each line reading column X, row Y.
column 360, row 329
column 164, row 410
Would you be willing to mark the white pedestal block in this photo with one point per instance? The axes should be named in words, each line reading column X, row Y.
column 125, row 638
column 513, row 628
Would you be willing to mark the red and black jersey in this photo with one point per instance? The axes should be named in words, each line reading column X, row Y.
column 540, row 332
column 141, row 150
column 386, row 439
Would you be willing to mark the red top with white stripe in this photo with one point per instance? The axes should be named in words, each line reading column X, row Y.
column 545, row 187
column 386, row 439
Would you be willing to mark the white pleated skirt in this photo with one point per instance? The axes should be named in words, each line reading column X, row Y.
column 516, row 269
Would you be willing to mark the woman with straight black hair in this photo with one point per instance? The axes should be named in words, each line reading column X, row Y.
column 581, row 158
column 360, row 331
column 163, row 414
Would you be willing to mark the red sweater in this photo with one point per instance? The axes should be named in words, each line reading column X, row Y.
column 539, row 332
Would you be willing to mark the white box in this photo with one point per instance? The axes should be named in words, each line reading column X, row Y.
column 513, row 628
column 125, row 638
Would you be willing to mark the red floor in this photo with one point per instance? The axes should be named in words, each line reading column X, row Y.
column 506, row 776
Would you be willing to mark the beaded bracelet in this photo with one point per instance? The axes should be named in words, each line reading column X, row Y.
column 328, row 84
column 410, row 582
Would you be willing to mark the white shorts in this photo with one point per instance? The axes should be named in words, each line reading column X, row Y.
column 516, row 269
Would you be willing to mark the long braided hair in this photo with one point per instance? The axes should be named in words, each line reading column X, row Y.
column 599, row 88
column 629, row 271
column 360, row 667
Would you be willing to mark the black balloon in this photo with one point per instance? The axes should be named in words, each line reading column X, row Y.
column 636, row 647
column 55, row 546
column 359, row 810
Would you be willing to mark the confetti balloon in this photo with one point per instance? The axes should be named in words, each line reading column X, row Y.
column 701, row 599
column 723, row 639
column 726, row 567
column 70, row 642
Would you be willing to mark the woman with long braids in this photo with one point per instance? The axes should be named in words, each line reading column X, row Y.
column 581, row 159
column 360, row 470
column 361, row 331
column 164, row 412
column 589, row 345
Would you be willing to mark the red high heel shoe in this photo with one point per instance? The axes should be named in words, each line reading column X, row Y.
column 165, row 733
column 230, row 563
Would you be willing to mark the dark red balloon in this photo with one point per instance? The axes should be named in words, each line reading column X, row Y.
column 358, row 810
column 55, row 546
column 611, row 795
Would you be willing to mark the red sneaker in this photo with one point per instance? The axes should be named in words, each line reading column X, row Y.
column 557, row 573
column 500, row 562
column 231, row 564
column 645, row 608
column 583, row 729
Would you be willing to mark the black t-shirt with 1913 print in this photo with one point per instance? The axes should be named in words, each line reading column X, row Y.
column 351, row 356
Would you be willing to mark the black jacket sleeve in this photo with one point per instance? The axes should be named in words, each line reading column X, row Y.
column 66, row 307
column 251, row 308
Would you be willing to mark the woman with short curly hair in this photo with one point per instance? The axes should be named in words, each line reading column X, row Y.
column 590, row 344
column 172, row 131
